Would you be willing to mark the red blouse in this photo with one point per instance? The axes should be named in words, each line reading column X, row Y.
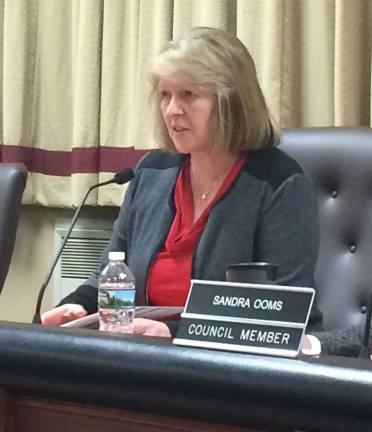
column 169, row 275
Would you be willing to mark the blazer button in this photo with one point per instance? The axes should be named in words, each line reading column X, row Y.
column 334, row 194
column 363, row 309
column 352, row 248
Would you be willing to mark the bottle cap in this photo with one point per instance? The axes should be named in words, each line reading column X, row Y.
column 116, row 256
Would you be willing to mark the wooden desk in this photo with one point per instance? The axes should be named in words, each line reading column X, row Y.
column 19, row 413
column 56, row 379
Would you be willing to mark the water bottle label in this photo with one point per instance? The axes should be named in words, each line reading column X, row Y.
column 116, row 299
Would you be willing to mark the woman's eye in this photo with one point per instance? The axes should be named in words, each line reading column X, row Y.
column 187, row 93
column 164, row 95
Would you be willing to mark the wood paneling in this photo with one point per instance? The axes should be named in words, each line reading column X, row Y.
column 28, row 414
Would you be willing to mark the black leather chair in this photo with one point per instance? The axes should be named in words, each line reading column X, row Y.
column 339, row 162
column 12, row 183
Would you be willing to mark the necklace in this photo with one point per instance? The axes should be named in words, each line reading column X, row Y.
column 205, row 194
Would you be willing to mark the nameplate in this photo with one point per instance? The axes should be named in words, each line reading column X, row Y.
column 262, row 319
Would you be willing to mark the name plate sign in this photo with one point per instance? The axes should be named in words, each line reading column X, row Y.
column 263, row 319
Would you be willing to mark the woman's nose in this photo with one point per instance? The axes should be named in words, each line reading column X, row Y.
column 174, row 107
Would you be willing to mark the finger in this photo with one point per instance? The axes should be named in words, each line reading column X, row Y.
column 51, row 317
column 62, row 314
column 70, row 316
column 157, row 329
column 140, row 325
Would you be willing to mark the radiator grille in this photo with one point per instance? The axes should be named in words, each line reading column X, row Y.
column 81, row 256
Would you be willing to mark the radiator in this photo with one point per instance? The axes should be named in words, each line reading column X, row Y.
column 81, row 254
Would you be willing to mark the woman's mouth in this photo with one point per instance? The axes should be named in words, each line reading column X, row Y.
column 179, row 129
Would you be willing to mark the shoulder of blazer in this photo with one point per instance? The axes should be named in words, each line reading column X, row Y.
column 271, row 165
column 160, row 159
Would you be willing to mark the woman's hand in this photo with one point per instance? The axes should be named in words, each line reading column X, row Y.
column 63, row 314
column 146, row 327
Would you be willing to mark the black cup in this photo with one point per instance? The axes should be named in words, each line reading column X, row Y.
column 254, row 272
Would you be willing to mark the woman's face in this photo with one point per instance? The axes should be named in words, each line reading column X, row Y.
column 186, row 113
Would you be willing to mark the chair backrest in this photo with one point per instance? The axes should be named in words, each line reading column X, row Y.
column 339, row 162
column 12, row 183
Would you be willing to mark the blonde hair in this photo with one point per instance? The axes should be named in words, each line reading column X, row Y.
column 217, row 62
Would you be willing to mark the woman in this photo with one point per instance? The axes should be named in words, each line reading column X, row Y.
column 219, row 193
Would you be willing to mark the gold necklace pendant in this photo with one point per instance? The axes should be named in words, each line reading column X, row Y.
column 204, row 195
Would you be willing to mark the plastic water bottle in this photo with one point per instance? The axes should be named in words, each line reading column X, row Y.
column 116, row 295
